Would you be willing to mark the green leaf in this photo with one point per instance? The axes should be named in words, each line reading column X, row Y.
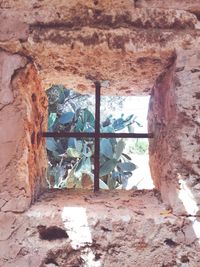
column 113, row 141
column 54, row 95
column 61, row 96
column 129, row 118
column 56, row 155
column 51, row 144
column 111, row 182
column 79, row 125
column 73, row 153
column 88, row 117
column 115, row 175
column 108, row 129
column 66, row 92
column 107, row 167
column 71, row 142
column 66, row 117
column 51, row 119
column 88, row 128
column 140, row 125
column 127, row 166
column 118, row 124
column 78, row 167
column 106, row 148
column 79, row 145
column 87, row 164
column 126, row 157
column 84, row 165
column 103, row 185
column 102, row 159
column 119, row 149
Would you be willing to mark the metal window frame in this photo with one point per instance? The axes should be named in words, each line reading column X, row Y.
column 97, row 135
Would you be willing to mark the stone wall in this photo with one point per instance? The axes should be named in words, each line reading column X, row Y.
column 115, row 41
column 174, row 119
column 108, row 229
column 131, row 47
column 22, row 115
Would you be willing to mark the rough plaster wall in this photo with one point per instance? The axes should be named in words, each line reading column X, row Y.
column 112, row 41
column 188, row 5
column 188, row 109
column 22, row 154
column 162, row 122
column 130, row 229
column 130, row 46
column 127, row 45
column 174, row 118
column 34, row 105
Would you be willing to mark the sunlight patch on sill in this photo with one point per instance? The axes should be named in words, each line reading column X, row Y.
column 186, row 196
column 77, row 227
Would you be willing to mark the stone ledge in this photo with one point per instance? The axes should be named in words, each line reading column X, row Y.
column 110, row 228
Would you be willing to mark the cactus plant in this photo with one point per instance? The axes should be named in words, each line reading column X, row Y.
column 71, row 158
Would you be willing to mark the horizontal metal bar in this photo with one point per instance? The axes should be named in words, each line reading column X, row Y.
column 92, row 135
column 68, row 134
column 126, row 135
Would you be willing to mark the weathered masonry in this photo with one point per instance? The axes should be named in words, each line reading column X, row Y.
column 135, row 48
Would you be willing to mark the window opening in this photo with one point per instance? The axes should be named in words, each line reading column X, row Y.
column 93, row 131
column 132, row 170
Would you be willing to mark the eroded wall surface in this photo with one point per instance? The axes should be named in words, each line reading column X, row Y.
column 22, row 113
column 174, row 119
column 124, row 44
column 107, row 229
column 131, row 47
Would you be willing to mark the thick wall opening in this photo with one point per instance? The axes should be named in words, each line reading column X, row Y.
column 101, row 225
column 161, row 122
column 129, row 47
column 164, row 121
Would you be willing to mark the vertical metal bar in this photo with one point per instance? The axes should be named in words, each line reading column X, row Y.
column 97, row 136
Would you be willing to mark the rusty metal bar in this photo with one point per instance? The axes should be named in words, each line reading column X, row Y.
column 93, row 135
column 126, row 135
column 97, row 136
column 68, row 134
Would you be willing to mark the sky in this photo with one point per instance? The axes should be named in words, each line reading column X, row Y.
column 137, row 105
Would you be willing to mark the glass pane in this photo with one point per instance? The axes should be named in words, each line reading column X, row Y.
column 70, row 163
column 122, row 114
column 124, row 164
column 70, row 111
